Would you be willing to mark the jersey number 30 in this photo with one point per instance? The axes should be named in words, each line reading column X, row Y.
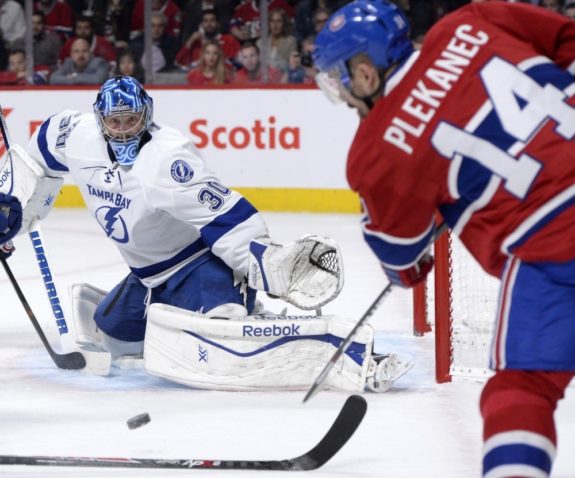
column 523, row 106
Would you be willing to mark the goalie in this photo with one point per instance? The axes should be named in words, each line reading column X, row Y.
column 10, row 222
column 196, row 250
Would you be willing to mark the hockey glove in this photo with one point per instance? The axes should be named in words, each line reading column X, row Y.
column 10, row 217
column 7, row 249
column 307, row 273
column 412, row 275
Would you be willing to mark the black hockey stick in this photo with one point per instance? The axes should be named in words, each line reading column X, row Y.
column 340, row 432
column 68, row 361
column 316, row 385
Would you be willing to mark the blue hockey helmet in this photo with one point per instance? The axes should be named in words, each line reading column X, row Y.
column 124, row 112
column 377, row 28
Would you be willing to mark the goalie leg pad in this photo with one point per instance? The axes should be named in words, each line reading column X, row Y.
column 89, row 337
column 85, row 300
column 257, row 353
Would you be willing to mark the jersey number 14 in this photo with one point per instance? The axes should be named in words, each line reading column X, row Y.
column 522, row 106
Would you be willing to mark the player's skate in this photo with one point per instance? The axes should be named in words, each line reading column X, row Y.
column 385, row 370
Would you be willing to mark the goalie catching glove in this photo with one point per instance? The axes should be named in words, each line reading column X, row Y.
column 307, row 273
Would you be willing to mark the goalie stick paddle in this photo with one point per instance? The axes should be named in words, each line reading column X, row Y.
column 68, row 361
column 316, row 385
column 37, row 244
column 342, row 429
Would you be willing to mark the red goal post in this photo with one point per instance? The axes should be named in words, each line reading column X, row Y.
column 458, row 304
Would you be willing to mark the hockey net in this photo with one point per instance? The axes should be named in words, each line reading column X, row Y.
column 458, row 303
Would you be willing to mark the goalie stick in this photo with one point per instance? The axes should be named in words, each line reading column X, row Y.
column 68, row 361
column 342, row 429
column 316, row 385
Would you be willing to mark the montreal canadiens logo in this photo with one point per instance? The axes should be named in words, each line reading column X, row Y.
column 181, row 171
column 337, row 23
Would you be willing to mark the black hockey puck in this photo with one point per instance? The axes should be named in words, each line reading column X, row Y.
column 138, row 421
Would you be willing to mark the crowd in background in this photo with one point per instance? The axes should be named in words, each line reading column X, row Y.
column 195, row 42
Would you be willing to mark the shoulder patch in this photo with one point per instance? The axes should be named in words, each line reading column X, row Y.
column 181, row 171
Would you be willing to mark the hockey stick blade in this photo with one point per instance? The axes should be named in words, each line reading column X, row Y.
column 68, row 361
column 342, row 429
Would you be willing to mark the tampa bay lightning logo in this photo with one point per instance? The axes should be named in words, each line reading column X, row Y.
column 113, row 224
column 181, row 171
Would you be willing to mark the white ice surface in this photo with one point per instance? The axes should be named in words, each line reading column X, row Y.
column 418, row 429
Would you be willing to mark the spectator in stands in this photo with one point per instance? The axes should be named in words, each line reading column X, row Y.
column 99, row 46
column 424, row 13
column 3, row 56
column 117, row 22
column 320, row 18
column 17, row 74
column 208, row 30
column 212, row 69
column 95, row 10
column 58, row 17
column 81, row 68
column 281, row 41
column 245, row 23
column 569, row 9
column 307, row 47
column 168, row 8
column 295, row 73
column 12, row 22
column 553, row 5
column 47, row 44
column 164, row 46
column 251, row 70
column 193, row 14
column 129, row 65
column 304, row 14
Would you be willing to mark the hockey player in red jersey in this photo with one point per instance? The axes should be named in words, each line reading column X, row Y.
column 479, row 126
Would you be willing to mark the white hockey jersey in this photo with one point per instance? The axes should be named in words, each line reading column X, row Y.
column 164, row 212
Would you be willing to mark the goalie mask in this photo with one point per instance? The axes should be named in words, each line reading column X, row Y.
column 124, row 113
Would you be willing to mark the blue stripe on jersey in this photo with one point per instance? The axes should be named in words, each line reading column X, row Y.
column 355, row 351
column 394, row 254
column 224, row 223
column 517, row 454
column 541, row 224
column 50, row 160
column 544, row 73
column 154, row 269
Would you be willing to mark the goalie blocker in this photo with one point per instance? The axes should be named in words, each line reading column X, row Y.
column 22, row 177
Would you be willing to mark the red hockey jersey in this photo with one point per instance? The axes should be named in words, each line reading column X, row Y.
column 479, row 125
